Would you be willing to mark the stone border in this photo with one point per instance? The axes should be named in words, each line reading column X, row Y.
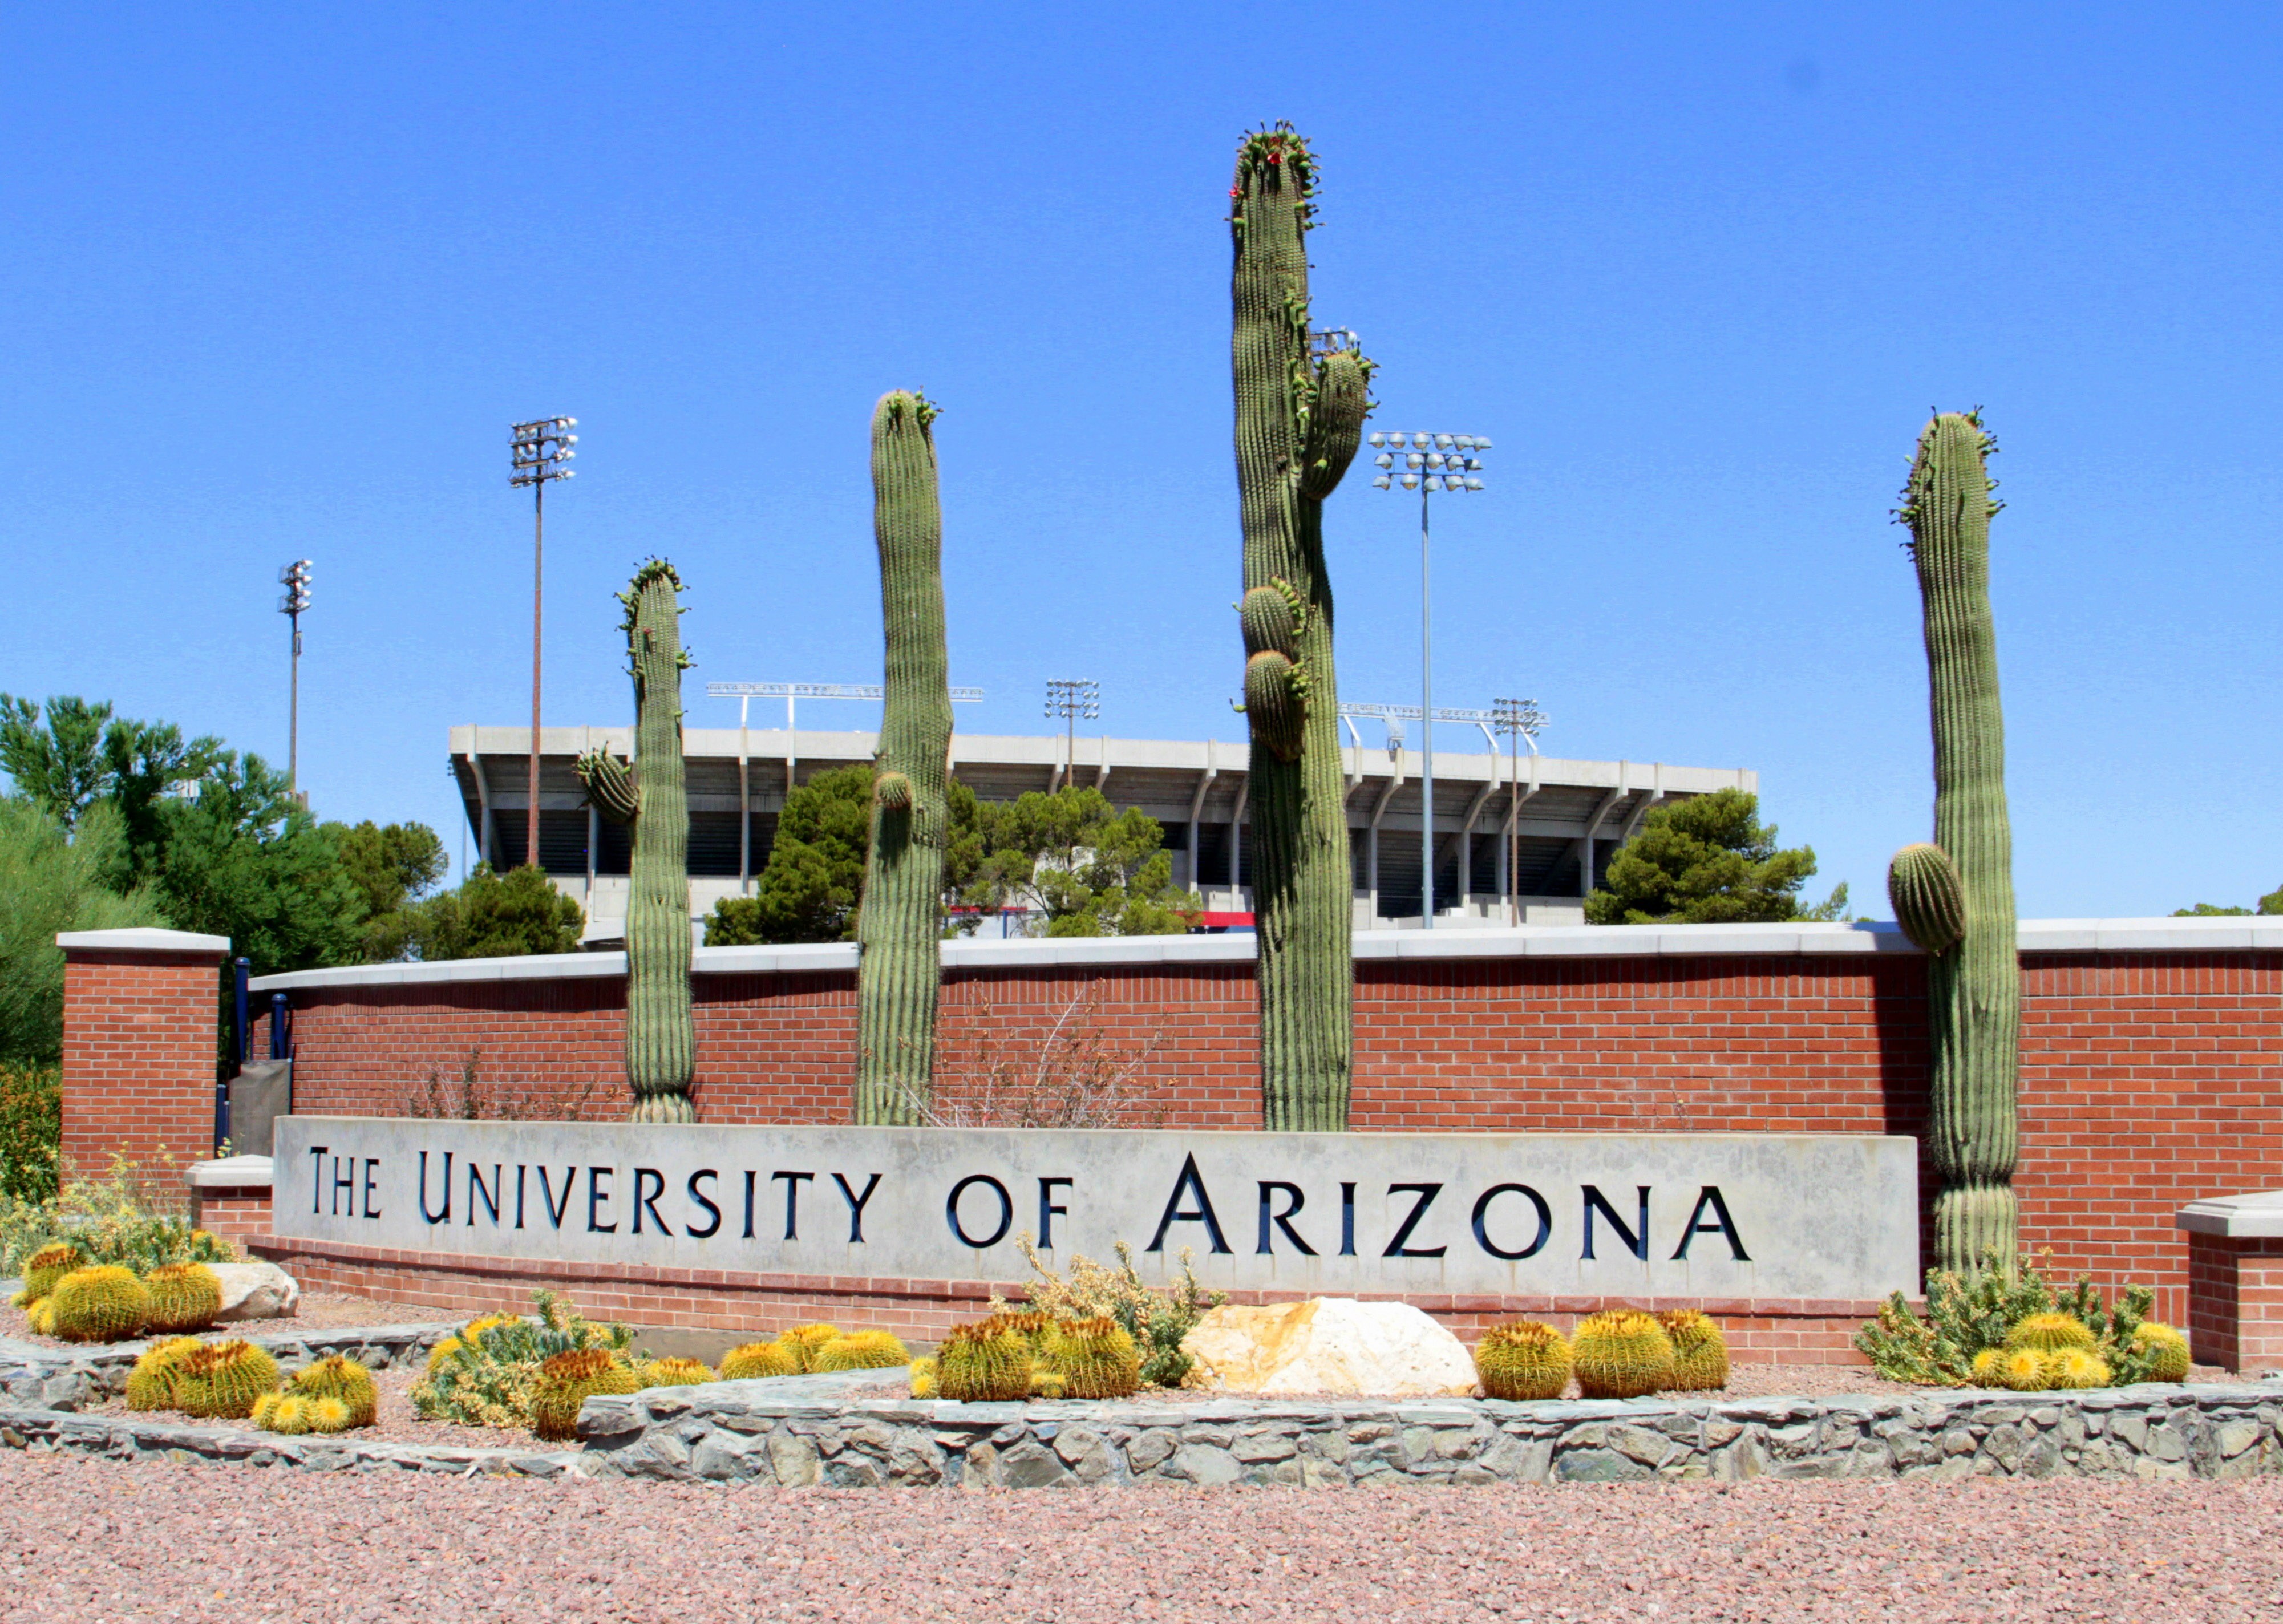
column 746, row 1433
column 800, row 1431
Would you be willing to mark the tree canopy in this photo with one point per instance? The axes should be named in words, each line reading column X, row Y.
column 491, row 916
column 2270, row 904
column 1708, row 859
column 51, row 880
column 1082, row 867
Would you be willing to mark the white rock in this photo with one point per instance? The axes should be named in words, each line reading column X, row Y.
column 255, row 1290
column 1333, row 1345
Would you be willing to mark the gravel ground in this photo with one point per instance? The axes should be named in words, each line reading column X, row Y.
column 90, row 1539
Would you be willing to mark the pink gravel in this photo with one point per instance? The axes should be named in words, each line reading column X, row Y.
column 91, row 1540
column 316, row 1311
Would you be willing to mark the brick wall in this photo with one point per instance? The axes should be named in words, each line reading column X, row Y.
column 140, row 1030
column 2148, row 1079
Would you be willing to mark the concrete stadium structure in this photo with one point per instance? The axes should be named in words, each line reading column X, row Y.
column 1567, row 818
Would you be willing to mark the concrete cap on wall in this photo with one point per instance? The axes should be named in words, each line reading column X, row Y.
column 142, row 941
column 232, row 1173
column 2239, row 1216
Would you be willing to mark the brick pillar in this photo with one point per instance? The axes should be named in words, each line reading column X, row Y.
column 2235, row 1301
column 140, row 1022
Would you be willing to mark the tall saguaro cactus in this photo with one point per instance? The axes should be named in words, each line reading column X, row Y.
column 661, row 1042
column 1955, row 898
column 900, row 928
column 1299, row 422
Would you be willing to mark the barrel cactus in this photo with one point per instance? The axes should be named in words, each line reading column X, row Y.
column 755, row 1360
column 1300, row 420
column 675, row 1373
column 923, row 1378
column 102, row 1305
column 151, row 1384
column 2022, row 1369
column 336, row 1376
column 661, row 1041
column 222, row 1379
column 282, row 1413
column 1522, row 1360
column 1700, row 1353
column 899, row 926
column 184, row 1297
column 863, row 1350
column 1096, row 1357
column 1959, row 891
column 2051, row 1332
column 569, row 1379
column 804, row 1343
column 1621, row 1354
column 2167, row 1350
column 984, row 1363
column 45, row 1267
column 2075, row 1368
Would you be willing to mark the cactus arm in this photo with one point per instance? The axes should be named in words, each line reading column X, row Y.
column 610, row 787
column 661, row 1040
column 1928, row 897
column 898, row 930
column 1973, row 990
column 1296, row 428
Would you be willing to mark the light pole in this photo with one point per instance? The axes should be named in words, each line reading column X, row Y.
column 540, row 450
column 1071, row 700
column 1520, row 720
column 1433, row 463
column 295, row 578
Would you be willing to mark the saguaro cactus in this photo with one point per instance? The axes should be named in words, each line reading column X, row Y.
column 899, row 927
column 661, row 1042
column 1298, row 421
column 1955, row 898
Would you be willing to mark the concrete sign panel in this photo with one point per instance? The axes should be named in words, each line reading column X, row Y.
column 1679, row 1215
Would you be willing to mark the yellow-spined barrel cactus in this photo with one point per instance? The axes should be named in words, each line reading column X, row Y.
column 675, row 1373
column 923, row 1379
column 281, row 1412
column 568, row 1380
column 1986, row 1372
column 336, row 1376
column 102, row 1305
column 863, row 1350
column 985, row 1363
column 329, row 1415
column 806, row 1342
column 184, row 1297
column 45, row 1267
column 758, row 1359
column 2022, row 1369
column 223, row 1380
column 2076, row 1367
column 2051, row 1332
column 1097, row 1358
column 1522, row 1360
column 2169, row 1347
column 1622, row 1354
column 150, row 1385
column 1700, row 1353
column 42, row 1317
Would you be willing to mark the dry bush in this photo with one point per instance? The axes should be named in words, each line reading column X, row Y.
column 472, row 1099
column 1080, row 1075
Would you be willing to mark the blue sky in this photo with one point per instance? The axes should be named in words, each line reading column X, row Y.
column 275, row 281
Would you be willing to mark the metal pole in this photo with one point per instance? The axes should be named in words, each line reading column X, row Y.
column 293, row 714
column 1513, row 829
column 1426, row 726
column 538, row 536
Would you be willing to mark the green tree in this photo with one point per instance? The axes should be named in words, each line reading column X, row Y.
column 2270, row 904
column 79, row 755
column 243, row 859
column 1708, row 860
column 53, row 880
column 393, row 867
column 1087, row 869
column 492, row 916
column 807, row 890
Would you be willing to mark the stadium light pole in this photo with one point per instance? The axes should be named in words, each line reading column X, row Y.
column 1521, row 721
column 295, row 578
column 1432, row 463
column 1071, row 700
column 541, row 449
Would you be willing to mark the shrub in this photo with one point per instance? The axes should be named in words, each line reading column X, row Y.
column 485, row 1376
column 31, row 1131
column 131, row 1217
column 1968, row 1315
column 1157, row 1320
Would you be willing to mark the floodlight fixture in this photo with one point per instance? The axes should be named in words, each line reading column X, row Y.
column 538, row 451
